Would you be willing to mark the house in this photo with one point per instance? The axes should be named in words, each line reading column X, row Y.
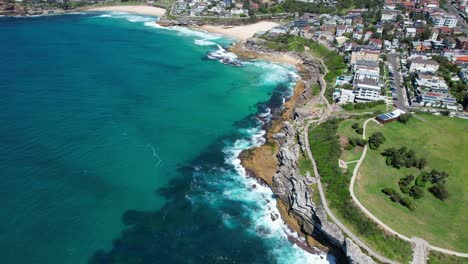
column 340, row 30
column 408, row 7
column 368, row 35
column 357, row 34
column 442, row 19
column 410, row 32
column 431, row 83
column 346, row 96
column 376, row 43
column 437, row 99
column 462, row 43
column 367, row 89
column 450, row 43
column 420, row 65
column 367, row 55
column 389, row 15
column 434, row 34
column 387, row 45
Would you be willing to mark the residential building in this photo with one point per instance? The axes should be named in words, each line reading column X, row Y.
column 420, row 65
column 366, row 55
column 410, row 32
column 389, row 15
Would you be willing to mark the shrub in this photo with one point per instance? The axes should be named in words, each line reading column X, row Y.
column 439, row 191
column 355, row 126
column 404, row 183
column 405, row 201
column 422, row 163
column 420, row 181
column 416, row 192
column 402, row 157
column 359, row 130
column 376, row 139
column 404, row 118
column 393, row 194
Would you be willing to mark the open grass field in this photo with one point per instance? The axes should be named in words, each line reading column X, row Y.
column 439, row 258
column 443, row 141
column 345, row 129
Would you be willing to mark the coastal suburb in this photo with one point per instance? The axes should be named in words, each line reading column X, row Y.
column 367, row 157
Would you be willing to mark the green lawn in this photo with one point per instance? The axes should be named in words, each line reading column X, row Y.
column 443, row 141
column 345, row 129
column 439, row 258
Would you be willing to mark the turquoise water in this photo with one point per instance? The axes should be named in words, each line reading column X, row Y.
column 119, row 144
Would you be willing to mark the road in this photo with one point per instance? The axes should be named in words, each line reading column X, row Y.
column 402, row 102
column 452, row 9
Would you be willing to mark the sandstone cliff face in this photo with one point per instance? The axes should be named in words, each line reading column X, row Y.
column 293, row 189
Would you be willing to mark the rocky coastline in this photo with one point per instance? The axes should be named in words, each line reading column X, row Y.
column 276, row 162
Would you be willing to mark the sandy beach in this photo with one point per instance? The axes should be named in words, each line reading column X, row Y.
column 241, row 33
column 137, row 9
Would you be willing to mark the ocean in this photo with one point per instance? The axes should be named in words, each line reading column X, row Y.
column 119, row 144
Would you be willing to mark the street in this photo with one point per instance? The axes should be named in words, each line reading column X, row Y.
column 401, row 102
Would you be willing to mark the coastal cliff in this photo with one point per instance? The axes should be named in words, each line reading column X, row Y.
column 276, row 163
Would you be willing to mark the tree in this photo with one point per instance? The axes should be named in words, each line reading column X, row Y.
column 355, row 125
column 420, row 182
column 359, row 130
column 405, row 201
column 376, row 139
column 416, row 192
column 422, row 163
column 439, row 191
column 404, row 118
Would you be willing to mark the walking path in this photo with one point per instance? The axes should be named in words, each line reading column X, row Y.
column 348, row 232
column 421, row 247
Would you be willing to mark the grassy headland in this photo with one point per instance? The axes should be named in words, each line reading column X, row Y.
column 325, row 145
column 443, row 142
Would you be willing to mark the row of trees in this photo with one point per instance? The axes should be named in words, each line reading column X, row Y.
column 403, row 157
column 397, row 198
column 415, row 189
column 361, row 106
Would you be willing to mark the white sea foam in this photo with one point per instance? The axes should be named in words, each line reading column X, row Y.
column 261, row 206
column 127, row 16
column 204, row 42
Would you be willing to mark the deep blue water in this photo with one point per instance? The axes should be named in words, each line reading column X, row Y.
column 119, row 144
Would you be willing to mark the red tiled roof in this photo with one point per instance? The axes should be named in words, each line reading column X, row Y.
column 462, row 58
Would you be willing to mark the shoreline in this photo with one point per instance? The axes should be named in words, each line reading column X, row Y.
column 134, row 9
column 261, row 162
column 239, row 32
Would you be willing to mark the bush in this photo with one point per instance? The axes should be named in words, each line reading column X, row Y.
column 422, row 163
column 439, row 191
column 416, row 192
column 404, row 118
column 393, row 194
column 402, row 157
column 420, row 182
column 405, row 201
column 375, row 140
column 355, row 126
column 404, row 183
column 359, row 130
